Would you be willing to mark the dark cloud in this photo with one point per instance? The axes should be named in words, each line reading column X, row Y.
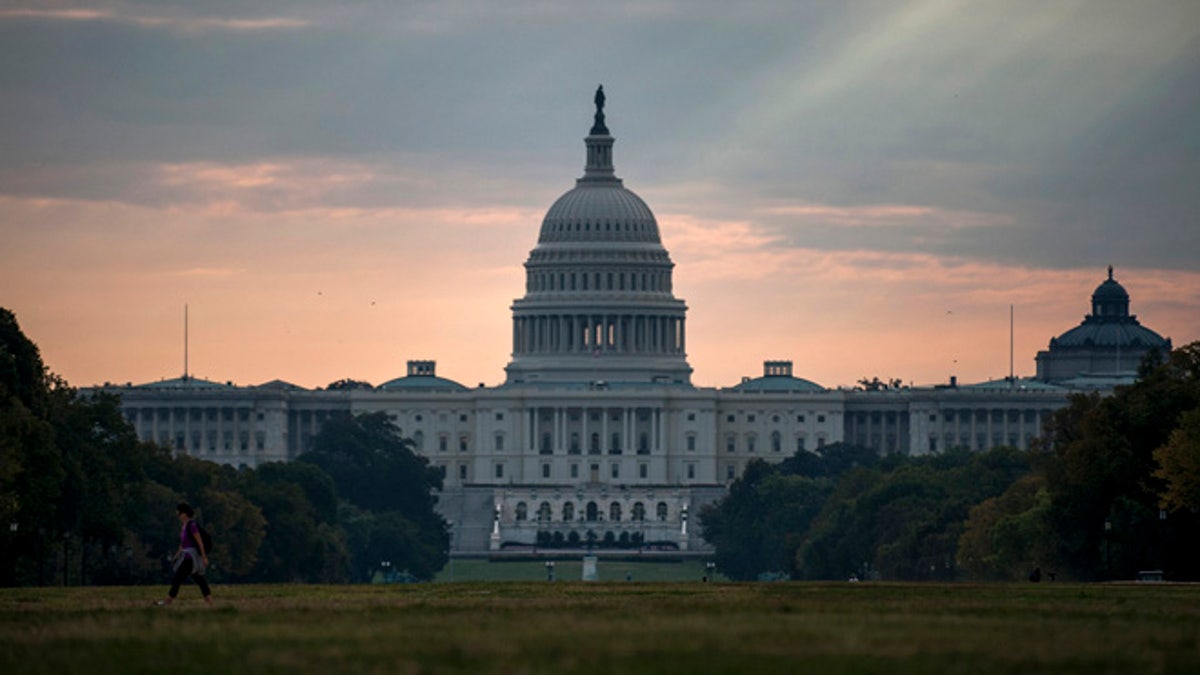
column 1070, row 129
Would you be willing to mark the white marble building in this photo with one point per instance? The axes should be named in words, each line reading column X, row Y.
column 597, row 433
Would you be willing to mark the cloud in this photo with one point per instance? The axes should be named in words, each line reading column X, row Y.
column 185, row 23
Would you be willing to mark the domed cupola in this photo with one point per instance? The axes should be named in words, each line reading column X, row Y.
column 1110, row 299
column 598, row 302
column 1110, row 342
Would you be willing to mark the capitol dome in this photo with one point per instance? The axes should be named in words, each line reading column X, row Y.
column 599, row 212
column 598, row 304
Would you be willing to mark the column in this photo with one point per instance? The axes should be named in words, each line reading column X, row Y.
column 627, row 430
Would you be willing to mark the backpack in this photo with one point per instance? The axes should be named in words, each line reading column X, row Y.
column 205, row 538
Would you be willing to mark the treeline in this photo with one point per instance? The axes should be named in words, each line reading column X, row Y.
column 1110, row 489
column 83, row 500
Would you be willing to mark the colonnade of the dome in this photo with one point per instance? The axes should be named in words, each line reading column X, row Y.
column 598, row 334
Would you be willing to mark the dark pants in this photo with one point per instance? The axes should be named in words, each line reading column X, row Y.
column 181, row 574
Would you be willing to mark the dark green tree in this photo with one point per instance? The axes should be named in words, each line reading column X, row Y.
column 375, row 469
column 302, row 542
column 758, row 526
column 1106, row 486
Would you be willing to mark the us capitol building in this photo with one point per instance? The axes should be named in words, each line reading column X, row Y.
column 597, row 434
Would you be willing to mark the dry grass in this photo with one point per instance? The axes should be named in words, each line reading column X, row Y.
column 608, row 628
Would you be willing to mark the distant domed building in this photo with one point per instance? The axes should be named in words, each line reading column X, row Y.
column 597, row 436
column 1106, row 348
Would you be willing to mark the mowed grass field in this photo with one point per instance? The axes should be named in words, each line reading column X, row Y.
column 608, row 627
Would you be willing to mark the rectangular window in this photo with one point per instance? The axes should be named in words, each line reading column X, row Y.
column 729, row 418
column 545, row 470
column 616, row 470
column 443, row 443
column 499, row 442
column 729, row 472
column 574, row 471
column 749, row 418
column 462, row 444
column 643, row 471
column 800, row 444
column 691, row 443
column 750, row 444
column 820, row 418
column 499, row 416
column 462, row 471
column 499, row 471
column 691, row 470
column 691, row 417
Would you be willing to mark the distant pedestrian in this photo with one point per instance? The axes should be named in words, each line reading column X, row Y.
column 191, row 559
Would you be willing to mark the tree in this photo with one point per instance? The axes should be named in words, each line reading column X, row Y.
column 347, row 384
column 1179, row 464
column 375, row 469
column 757, row 528
column 903, row 520
column 1101, row 459
column 301, row 541
column 1007, row 536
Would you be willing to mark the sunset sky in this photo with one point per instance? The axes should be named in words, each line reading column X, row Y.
column 333, row 188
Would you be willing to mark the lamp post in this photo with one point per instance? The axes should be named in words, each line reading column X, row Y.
column 1162, row 542
column 710, row 568
column 549, row 570
column 66, row 556
column 386, row 567
column 1107, row 548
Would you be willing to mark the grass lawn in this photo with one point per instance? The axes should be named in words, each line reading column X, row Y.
column 608, row 627
column 572, row 570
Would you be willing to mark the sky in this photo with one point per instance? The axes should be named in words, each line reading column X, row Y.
column 334, row 188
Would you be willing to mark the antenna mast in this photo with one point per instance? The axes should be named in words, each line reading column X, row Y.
column 1011, row 376
column 185, row 341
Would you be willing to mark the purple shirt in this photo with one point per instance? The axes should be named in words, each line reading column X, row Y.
column 189, row 534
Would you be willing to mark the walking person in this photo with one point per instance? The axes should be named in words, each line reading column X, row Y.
column 191, row 559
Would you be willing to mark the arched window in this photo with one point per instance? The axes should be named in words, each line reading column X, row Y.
column 593, row 512
column 419, row 441
column 614, row 512
column 544, row 512
column 639, row 511
column 662, row 512
column 568, row 512
column 546, row 450
column 522, row 511
column 776, row 442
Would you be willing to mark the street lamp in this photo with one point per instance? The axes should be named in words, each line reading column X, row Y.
column 549, row 570
column 710, row 568
column 386, row 566
column 1108, row 548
